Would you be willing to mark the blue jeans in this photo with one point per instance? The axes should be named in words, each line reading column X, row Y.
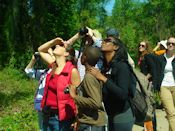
column 55, row 125
column 40, row 120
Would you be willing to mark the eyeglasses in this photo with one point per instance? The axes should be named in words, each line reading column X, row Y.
column 169, row 43
column 141, row 45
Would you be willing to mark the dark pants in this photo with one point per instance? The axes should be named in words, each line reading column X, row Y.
column 121, row 122
column 120, row 126
column 85, row 127
column 154, row 120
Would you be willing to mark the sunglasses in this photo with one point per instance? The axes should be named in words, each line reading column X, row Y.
column 169, row 43
column 61, row 44
column 108, row 40
column 141, row 45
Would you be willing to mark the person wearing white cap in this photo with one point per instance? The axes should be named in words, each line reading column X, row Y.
column 160, row 47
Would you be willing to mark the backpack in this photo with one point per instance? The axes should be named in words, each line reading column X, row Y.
column 141, row 98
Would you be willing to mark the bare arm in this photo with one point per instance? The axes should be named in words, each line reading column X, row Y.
column 75, row 80
column 31, row 63
column 91, row 34
column 157, row 47
column 44, row 50
column 131, row 61
column 72, row 39
column 75, row 77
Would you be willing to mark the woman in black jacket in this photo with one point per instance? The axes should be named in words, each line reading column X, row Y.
column 147, row 65
column 116, row 78
column 146, row 62
column 166, row 82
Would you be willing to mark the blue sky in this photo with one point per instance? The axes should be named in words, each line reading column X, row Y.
column 109, row 6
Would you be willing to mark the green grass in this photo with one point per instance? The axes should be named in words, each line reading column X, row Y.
column 16, row 101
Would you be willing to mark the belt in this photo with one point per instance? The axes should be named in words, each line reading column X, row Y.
column 54, row 111
column 47, row 110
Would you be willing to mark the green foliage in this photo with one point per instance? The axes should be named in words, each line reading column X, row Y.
column 31, row 23
column 16, row 107
column 138, row 20
column 25, row 120
column 91, row 13
column 26, row 24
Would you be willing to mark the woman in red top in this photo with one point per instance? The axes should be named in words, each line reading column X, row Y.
column 58, row 107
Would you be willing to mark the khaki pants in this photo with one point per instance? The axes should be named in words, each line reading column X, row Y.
column 167, row 95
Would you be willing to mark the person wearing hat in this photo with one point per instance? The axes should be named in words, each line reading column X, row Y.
column 166, row 73
column 160, row 47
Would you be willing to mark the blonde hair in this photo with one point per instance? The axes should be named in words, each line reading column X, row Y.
column 97, row 34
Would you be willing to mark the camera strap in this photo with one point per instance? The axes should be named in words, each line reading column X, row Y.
column 81, row 48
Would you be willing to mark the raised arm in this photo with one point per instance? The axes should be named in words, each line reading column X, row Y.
column 72, row 39
column 30, row 70
column 157, row 47
column 31, row 63
column 45, row 50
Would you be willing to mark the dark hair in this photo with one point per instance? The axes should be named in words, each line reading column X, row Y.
column 121, row 52
column 71, row 57
column 92, row 54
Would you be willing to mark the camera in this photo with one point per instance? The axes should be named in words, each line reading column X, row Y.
column 66, row 90
column 83, row 31
column 37, row 55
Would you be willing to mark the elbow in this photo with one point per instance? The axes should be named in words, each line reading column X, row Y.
column 39, row 49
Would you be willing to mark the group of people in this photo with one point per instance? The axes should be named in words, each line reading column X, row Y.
column 159, row 67
column 87, row 89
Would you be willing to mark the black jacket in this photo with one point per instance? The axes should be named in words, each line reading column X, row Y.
column 116, row 88
column 148, row 65
column 161, row 63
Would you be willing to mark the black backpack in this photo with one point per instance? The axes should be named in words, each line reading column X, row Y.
column 141, row 97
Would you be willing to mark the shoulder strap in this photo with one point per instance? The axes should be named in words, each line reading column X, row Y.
column 137, row 79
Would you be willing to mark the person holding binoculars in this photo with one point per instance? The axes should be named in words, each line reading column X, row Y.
column 88, row 37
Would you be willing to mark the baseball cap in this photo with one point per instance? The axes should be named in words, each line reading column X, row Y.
column 112, row 32
column 164, row 43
